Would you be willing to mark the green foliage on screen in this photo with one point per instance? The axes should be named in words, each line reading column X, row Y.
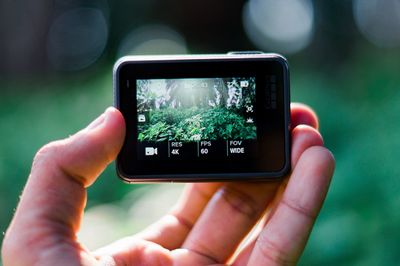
column 196, row 124
column 195, row 109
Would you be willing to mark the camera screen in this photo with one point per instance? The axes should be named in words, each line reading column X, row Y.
column 195, row 117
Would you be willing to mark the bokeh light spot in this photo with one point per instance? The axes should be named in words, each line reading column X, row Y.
column 284, row 26
column 77, row 38
column 153, row 39
column 378, row 21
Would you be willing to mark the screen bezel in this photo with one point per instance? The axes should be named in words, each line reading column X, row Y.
column 272, row 124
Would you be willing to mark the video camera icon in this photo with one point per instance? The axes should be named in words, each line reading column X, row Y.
column 150, row 151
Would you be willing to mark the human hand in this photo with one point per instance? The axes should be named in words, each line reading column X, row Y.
column 204, row 227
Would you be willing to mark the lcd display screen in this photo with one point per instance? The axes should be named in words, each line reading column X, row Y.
column 195, row 117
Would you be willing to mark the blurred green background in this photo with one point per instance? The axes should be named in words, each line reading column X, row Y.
column 56, row 61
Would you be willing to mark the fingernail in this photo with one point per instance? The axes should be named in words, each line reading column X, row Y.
column 108, row 112
column 98, row 121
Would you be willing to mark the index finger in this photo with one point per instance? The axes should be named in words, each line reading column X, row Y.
column 54, row 197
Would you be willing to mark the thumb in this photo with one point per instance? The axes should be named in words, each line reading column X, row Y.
column 54, row 197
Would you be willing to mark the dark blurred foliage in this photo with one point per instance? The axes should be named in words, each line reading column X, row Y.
column 56, row 60
column 208, row 26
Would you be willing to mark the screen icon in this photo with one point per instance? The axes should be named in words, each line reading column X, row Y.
column 249, row 109
column 150, row 151
column 188, row 84
column 182, row 150
column 236, row 147
column 244, row 83
column 211, row 149
column 141, row 118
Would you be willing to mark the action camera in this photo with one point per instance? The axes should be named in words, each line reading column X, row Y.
column 203, row 117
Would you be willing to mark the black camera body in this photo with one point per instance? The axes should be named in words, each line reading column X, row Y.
column 200, row 118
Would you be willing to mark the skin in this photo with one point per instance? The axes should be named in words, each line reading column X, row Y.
column 205, row 226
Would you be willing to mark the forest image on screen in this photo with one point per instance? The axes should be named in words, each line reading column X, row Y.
column 196, row 109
